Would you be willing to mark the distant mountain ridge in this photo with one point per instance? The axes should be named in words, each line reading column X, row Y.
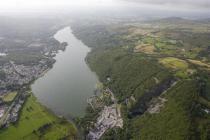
column 206, row 20
column 172, row 20
column 178, row 21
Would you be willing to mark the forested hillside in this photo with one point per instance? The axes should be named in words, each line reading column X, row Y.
column 158, row 71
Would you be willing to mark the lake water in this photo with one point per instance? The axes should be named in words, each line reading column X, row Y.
column 65, row 88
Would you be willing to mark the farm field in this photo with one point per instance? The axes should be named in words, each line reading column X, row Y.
column 9, row 97
column 36, row 122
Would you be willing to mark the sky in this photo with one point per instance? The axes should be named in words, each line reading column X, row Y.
column 21, row 5
column 203, row 4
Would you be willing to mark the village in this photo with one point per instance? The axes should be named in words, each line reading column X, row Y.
column 109, row 117
column 20, row 74
column 10, row 113
column 13, row 88
column 19, row 67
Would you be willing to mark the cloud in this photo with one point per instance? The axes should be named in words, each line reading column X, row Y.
column 182, row 3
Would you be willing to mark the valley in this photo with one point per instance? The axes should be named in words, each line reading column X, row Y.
column 137, row 80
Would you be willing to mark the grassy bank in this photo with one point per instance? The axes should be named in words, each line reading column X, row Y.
column 36, row 122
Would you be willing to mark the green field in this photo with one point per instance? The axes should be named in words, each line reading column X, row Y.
column 9, row 97
column 174, row 63
column 36, row 123
column 178, row 65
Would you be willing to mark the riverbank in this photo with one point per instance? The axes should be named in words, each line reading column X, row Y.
column 65, row 86
column 32, row 119
column 37, row 122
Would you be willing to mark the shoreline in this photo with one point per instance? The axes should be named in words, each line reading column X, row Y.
column 70, row 119
column 40, row 76
column 32, row 108
column 85, row 65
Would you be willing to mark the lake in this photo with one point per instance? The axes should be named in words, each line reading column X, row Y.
column 65, row 88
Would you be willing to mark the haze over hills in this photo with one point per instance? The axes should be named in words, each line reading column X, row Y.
column 105, row 70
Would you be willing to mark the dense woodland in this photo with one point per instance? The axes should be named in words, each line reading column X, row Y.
column 170, row 67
